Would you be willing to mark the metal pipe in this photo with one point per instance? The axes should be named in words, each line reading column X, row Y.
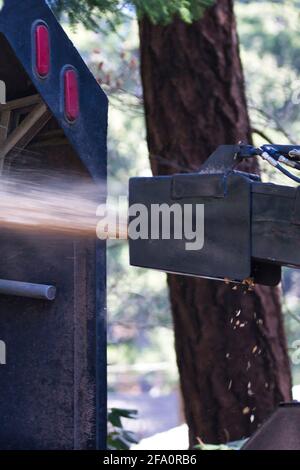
column 26, row 289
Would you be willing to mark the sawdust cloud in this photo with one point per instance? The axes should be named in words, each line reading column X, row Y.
column 51, row 202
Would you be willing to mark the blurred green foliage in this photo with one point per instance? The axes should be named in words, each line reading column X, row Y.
column 270, row 50
column 88, row 12
column 118, row 437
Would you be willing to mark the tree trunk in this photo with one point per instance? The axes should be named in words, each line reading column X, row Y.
column 230, row 345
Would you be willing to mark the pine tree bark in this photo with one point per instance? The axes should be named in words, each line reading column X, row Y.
column 230, row 345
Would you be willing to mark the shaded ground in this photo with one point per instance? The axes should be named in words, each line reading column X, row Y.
column 156, row 414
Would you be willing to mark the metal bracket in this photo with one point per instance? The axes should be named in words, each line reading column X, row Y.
column 16, row 134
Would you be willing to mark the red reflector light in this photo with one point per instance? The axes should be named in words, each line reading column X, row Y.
column 42, row 48
column 71, row 95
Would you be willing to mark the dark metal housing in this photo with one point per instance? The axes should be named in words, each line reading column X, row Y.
column 280, row 432
column 53, row 385
column 251, row 228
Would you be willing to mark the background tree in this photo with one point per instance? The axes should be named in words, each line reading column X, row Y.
column 230, row 344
